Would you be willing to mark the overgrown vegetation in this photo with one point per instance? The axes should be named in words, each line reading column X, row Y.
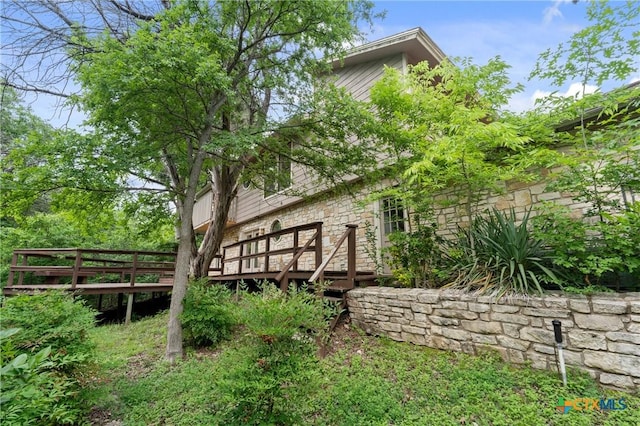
column 45, row 350
column 208, row 316
column 363, row 381
column 416, row 258
column 460, row 146
column 51, row 319
column 498, row 254
column 262, row 380
column 596, row 252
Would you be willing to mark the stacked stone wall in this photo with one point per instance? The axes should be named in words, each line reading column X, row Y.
column 601, row 333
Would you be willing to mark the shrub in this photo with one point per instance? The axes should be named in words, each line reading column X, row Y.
column 277, row 365
column 51, row 319
column 34, row 391
column 416, row 258
column 208, row 315
column 498, row 256
column 595, row 250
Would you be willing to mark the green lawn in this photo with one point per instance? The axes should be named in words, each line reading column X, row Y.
column 363, row 381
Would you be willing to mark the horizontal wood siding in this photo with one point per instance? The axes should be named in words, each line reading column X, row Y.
column 358, row 79
column 202, row 209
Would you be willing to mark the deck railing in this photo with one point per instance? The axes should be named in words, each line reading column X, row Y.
column 120, row 270
column 350, row 236
column 78, row 266
column 259, row 247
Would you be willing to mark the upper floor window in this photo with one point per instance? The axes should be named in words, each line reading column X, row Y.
column 278, row 175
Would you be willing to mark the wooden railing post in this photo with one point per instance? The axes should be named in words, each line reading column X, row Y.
column 21, row 273
column 267, row 248
column 350, row 236
column 296, row 241
column 284, row 283
column 318, row 246
column 241, row 259
column 131, row 296
column 134, row 267
column 14, row 262
column 76, row 268
column 351, row 255
column 283, row 276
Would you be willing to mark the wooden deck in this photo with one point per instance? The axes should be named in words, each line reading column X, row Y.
column 90, row 271
column 289, row 255
column 91, row 288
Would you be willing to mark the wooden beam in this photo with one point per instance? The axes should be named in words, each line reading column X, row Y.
column 130, row 299
column 323, row 266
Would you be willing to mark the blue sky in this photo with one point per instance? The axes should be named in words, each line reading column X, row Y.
column 517, row 31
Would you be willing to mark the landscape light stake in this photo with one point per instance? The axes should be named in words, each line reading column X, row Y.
column 557, row 331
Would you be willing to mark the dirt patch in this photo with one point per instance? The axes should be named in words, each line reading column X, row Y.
column 207, row 353
column 139, row 366
column 102, row 417
column 345, row 336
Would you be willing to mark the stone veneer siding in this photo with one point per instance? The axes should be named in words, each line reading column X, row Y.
column 601, row 333
column 521, row 196
column 337, row 211
column 334, row 211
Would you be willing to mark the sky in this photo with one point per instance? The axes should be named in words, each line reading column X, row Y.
column 517, row 31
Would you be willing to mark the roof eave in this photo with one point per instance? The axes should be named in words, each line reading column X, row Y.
column 415, row 43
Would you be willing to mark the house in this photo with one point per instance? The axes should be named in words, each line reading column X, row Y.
column 260, row 211
column 257, row 211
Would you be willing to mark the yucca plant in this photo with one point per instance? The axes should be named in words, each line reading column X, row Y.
column 498, row 255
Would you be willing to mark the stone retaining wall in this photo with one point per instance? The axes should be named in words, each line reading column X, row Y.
column 601, row 333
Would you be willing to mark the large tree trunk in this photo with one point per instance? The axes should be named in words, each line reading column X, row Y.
column 180, row 282
column 183, row 257
column 224, row 189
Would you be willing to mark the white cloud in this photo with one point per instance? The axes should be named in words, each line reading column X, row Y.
column 553, row 11
column 575, row 90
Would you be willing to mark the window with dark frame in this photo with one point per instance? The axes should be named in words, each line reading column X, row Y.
column 275, row 227
column 393, row 217
column 251, row 248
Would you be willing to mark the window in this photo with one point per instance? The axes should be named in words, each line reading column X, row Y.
column 275, row 227
column 628, row 196
column 392, row 215
column 277, row 175
column 251, row 248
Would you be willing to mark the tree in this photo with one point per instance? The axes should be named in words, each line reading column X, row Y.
column 602, row 131
column 185, row 95
column 42, row 205
column 447, row 128
column 19, row 128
